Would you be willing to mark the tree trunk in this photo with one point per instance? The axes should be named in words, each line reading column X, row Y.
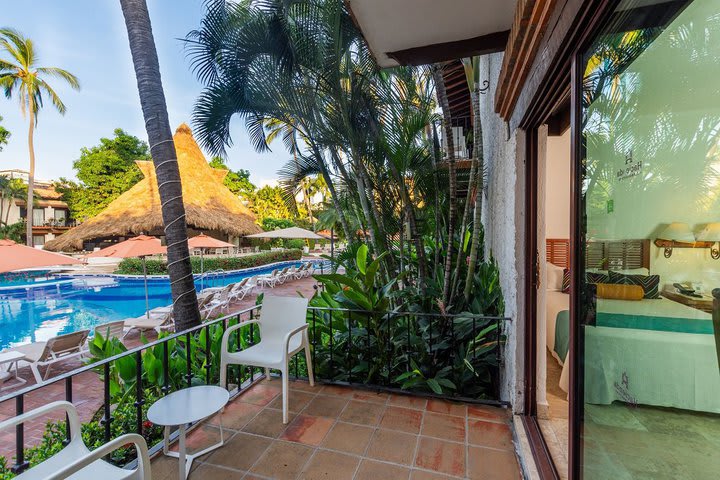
column 349, row 235
column 479, row 154
column 432, row 139
column 31, row 179
column 162, row 149
column 412, row 223
column 450, row 144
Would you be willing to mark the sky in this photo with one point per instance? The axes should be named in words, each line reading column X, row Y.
column 88, row 38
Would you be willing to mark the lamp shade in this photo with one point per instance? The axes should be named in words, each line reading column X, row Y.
column 678, row 232
column 711, row 233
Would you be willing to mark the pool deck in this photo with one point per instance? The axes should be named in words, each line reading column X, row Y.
column 87, row 387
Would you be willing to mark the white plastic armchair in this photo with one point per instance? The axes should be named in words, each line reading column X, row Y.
column 283, row 333
column 76, row 461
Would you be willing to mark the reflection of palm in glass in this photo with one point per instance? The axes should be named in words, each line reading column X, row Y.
column 663, row 117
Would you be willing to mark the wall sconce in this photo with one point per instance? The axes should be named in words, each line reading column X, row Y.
column 711, row 234
column 676, row 234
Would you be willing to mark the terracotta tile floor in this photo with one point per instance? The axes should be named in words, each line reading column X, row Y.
column 342, row 433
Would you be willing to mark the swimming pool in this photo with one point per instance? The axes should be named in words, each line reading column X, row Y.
column 69, row 303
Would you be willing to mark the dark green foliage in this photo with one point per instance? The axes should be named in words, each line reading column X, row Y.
column 4, row 135
column 133, row 266
column 237, row 181
column 15, row 231
column 104, row 172
column 388, row 343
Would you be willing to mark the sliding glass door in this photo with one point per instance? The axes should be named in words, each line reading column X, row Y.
column 649, row 227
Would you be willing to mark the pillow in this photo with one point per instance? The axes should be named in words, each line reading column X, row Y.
column 649, row 283
column 620, row 292
column 566, row 281
column 597, row 277
column 554, row 277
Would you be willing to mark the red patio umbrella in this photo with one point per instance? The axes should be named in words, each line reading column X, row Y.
column 202, row 242
column 14, row 256
column 140, row 246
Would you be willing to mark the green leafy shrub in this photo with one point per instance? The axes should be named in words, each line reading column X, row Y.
column 373, row 342
column 133, row 266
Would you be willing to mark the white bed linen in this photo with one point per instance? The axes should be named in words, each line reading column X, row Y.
column 555, row 303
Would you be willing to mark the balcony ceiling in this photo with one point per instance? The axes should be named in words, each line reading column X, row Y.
column 414, row 32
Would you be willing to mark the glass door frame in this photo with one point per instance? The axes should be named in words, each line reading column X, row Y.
column 566, row 78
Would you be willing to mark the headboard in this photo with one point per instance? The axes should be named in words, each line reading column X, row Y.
column 602, row 254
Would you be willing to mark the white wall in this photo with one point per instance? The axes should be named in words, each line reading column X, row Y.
column 503, row 218
column 557, row 195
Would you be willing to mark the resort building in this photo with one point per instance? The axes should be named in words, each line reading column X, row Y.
column 209, row 206
column 50, row 217
column 600, row 133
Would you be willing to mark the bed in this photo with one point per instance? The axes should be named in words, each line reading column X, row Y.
column 651, row 352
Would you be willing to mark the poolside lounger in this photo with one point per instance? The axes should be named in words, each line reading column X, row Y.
column 241, row 289
column 283, row 275
column 158, row 321
column 57, row 349
column 269, row 280
column 111, row 330
column 218, row 303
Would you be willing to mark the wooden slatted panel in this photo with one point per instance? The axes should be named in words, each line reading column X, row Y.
column 628, row 254
column 557, row 251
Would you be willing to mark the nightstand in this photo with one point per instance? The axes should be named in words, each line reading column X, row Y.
column 704, row 303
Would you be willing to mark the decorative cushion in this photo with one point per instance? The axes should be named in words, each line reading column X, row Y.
column 566, row 281
column 649, row 283
column 620, row 292
column 554, row 277
column 597, row 277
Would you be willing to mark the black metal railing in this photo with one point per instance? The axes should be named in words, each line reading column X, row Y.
column 395, row 351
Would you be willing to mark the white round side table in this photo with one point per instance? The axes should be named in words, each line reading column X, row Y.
column 183, row 407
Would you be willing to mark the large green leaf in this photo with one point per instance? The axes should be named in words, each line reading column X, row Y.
column 361, row 259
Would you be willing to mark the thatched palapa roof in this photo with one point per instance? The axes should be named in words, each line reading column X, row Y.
column 209, row 205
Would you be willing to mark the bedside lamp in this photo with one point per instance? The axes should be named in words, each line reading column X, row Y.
column 711, row 234
column 675, row 232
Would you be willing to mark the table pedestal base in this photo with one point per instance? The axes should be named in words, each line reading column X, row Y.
column 185, row 458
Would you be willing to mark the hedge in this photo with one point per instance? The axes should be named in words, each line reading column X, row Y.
column 133, row 266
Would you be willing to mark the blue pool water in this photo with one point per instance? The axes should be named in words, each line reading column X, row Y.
column 65, row 304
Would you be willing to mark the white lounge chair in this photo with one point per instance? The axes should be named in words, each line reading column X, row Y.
column 218, row 303
column 75, row 460
column 57, row 349
column 269, row 280
column 242, row 289
column 283, row 333
column 158, row 321
column 111, row 330
column 283, row 275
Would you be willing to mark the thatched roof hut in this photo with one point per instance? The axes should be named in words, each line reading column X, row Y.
column 209, row 205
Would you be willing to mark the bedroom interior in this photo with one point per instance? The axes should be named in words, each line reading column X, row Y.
column 648, row 373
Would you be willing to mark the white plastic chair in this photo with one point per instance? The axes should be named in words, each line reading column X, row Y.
column 283, row 333
column 76, row 461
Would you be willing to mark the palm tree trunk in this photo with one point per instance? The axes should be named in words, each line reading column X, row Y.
column 31, row 179
column 333, row 194
column 479, row 154
column 412, row 223
column 162, row 149
column 450, row 144
column 432, row 140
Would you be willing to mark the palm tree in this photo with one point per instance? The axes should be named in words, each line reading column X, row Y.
column 162, row 149
column 449, row 143
column 20, row 75
column 477, row 173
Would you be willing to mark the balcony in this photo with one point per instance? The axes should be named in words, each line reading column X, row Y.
column 355, row 423
column 350, row 433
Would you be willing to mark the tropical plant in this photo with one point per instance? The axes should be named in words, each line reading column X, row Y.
column 104, row 171
column 237, row 181
column 4, row 135
column 162, row 149
column 20, row 75
column 10, row 189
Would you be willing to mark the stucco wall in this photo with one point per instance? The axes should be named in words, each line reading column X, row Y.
column 503, row 217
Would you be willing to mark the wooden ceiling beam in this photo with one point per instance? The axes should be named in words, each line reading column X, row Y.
column 441, row 52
